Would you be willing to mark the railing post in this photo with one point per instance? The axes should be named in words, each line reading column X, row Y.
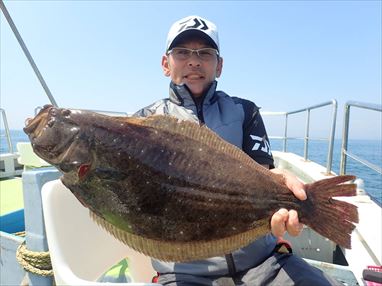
column 285, row 133
column 345, row 136
column 306, row 139
column 329, row 161
column 7, row 132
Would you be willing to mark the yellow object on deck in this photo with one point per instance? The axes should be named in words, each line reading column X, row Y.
column 27, row 157
column 11, row 195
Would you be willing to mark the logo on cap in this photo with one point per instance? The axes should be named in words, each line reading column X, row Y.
column 197, row 24
column 193, row 23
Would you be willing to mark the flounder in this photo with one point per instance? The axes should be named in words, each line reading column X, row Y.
column 174, row 190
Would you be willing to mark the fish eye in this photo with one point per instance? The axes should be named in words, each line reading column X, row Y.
column 51, row 122
column 66, row 112
column 53, row 112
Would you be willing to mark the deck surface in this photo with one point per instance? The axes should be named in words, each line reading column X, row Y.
column 11, row 195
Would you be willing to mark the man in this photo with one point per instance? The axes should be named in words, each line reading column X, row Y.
column 193, row 63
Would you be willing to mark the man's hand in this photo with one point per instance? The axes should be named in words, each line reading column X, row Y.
column 283, row 220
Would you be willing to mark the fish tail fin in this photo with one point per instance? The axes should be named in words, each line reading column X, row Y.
column 329, row 217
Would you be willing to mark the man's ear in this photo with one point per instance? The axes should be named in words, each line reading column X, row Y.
column 166, row 66
column 219, row 67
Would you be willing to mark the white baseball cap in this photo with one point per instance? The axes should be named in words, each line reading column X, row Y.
column 192, row 25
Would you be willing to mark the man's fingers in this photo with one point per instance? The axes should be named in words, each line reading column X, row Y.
column 293, row 183
column 293, row 226
column 285, row 221
column 300, row 194
column 278, row 222
column 296, row 186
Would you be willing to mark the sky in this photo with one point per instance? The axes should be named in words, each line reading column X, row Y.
column 283, row 55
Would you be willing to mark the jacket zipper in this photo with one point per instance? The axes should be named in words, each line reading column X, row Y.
column 199, row 111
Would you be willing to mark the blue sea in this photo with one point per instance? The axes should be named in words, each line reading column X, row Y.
column 370, row 150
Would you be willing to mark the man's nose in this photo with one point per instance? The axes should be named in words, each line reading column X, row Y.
column 194, row 59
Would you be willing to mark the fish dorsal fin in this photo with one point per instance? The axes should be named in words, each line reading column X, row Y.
column 196, row 132
column 202, row 134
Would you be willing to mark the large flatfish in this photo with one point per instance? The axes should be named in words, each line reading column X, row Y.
column 174, row 190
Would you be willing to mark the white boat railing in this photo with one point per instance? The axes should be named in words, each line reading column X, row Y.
column 7, row 133
column 306, row 137
column 345, row 137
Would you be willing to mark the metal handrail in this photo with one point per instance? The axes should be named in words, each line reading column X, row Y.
column 6, row 130
column 345, row 137
column 306, row 138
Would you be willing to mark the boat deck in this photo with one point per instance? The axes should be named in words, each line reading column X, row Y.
column 11, row 205
column 11, row 195
column 366, row 239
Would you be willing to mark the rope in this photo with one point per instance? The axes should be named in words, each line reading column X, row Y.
column 20, row 233
column 35, row 262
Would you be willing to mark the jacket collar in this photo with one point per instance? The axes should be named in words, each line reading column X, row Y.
column 181, row 95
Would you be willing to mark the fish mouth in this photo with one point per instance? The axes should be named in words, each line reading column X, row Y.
column 33, row 125
column 50, row 131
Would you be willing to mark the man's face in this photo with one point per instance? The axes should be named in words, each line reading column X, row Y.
column 196, row 73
